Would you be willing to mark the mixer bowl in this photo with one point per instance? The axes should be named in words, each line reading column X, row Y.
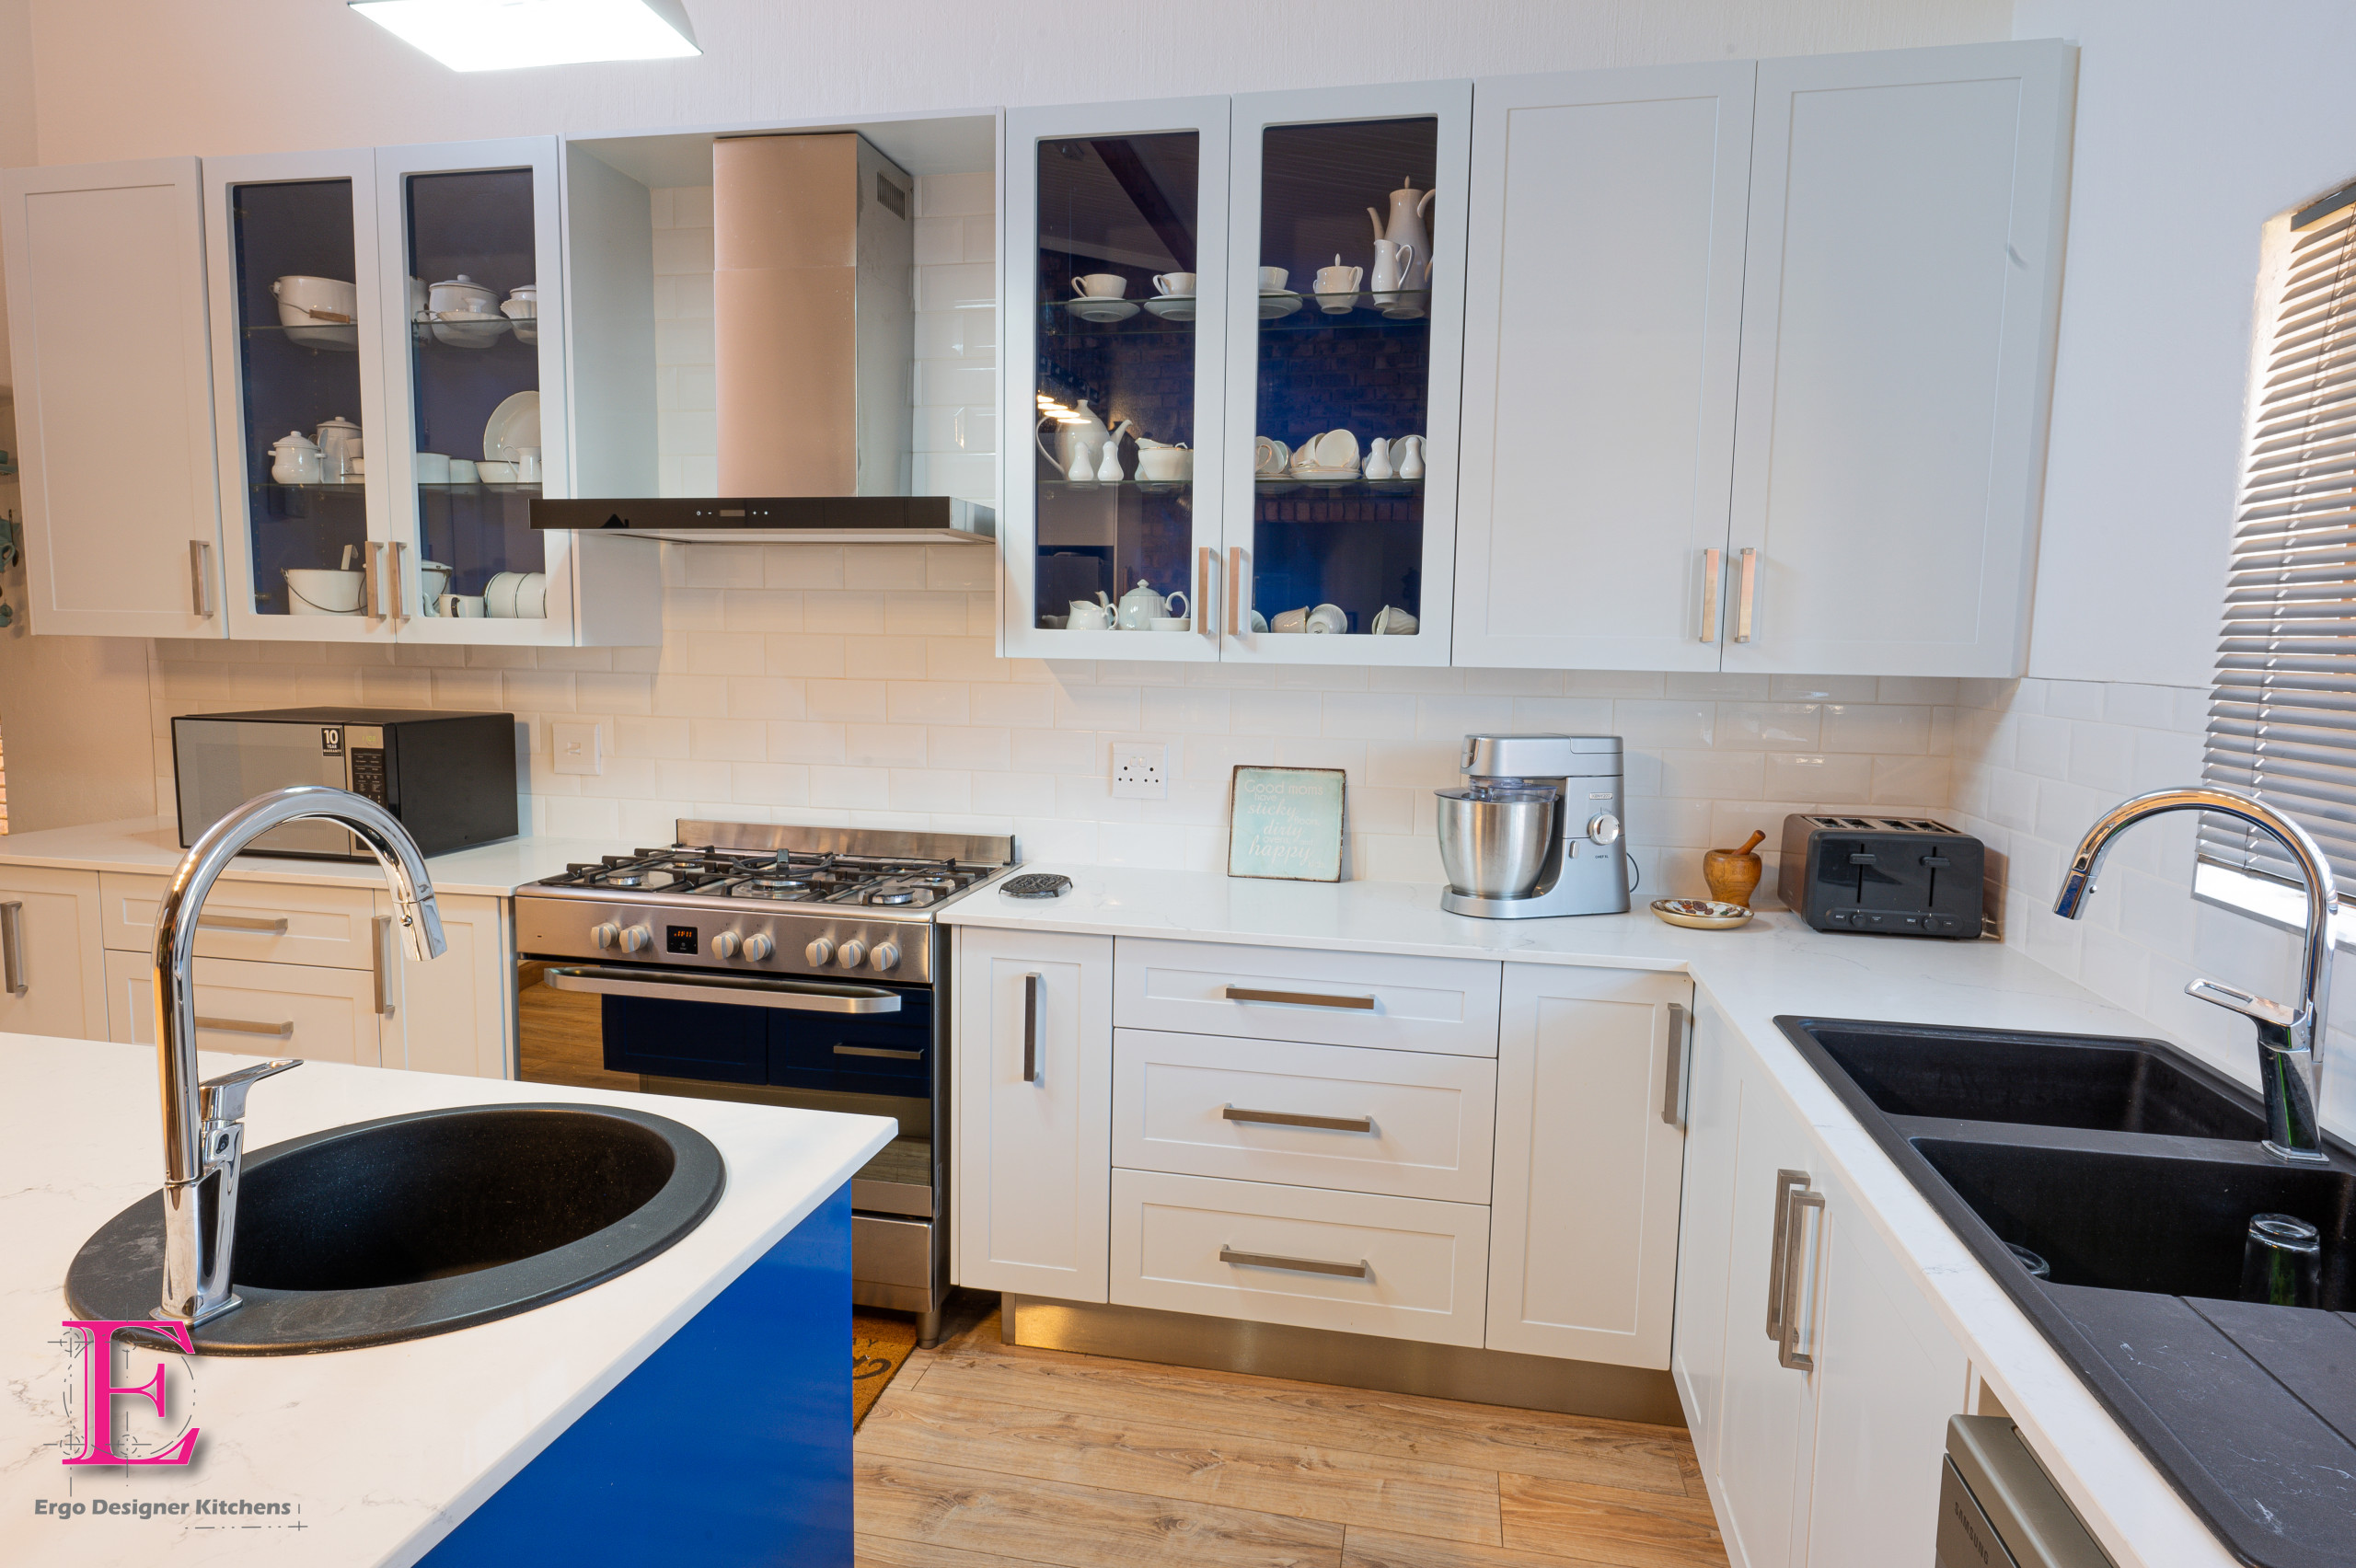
column 1493, row 842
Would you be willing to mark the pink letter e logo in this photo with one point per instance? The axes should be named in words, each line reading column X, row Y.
column 99, row 1392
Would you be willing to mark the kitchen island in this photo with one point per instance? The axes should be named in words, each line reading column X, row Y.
column 380, row 1456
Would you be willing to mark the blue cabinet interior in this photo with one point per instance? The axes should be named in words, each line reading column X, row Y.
column 727, row 1447
column 721, row 1044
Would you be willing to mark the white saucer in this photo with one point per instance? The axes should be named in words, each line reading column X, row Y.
column 1173, row 308
column 469, row 331
column 1101, row 310
column 1338, row 304
column 1283, row 302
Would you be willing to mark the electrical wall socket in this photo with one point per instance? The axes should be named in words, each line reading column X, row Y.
column 1140, row 770
column 577, row 748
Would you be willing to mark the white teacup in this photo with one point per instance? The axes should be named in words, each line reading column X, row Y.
column 461, row 607
column 462, row 471
column 1393, row 621
column 1177, row 285
column 1328, row 620
column 1163, row 465
column 1100, row 285
column 494, row 473
column 1272, row 280
column 1089, row 615
column 1290, row 620
column 431, row 468
column 1339, row 280
column 1172, row 623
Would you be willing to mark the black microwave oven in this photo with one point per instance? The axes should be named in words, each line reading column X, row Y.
column 449, row 779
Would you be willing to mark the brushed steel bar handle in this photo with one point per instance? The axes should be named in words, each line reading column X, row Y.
column 199, row 576
column 1711, row 572
column 1787, row 1183
column 1672, row 1088
column 1208, row 589
column 1031, row 1029
column 1234, row 586
column 265, row 924
column 373, row 578
column 745, row 991
column 1290, row 1119
column 239, row 1026
column 1797, row 1309
column 1300, row 998
column 1359, row 1270
column 1749, row 592
column 12, row 949
column 380, row 962
column 879, row 1051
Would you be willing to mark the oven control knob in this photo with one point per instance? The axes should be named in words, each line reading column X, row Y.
column 1603, row 828
column 605, row 933
column 725, row 944
column 636, row 939
column 886, row 957
column 851, row 954
column 758, row 947
column 820, row 952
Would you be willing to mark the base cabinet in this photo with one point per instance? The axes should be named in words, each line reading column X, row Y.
column 50, row 982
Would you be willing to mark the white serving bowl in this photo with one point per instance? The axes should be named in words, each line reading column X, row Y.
column 299, row 296
column 320, row 591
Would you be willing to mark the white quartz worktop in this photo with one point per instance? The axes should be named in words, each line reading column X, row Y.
column 384, row 1448
column 1774, row 965
column 151, row 846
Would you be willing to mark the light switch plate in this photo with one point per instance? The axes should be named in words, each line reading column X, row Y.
column 1140, row 770
column 577, row 747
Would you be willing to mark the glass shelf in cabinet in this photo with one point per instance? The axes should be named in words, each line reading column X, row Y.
column 1269, row 485
column 517, row 486
column 345, row 487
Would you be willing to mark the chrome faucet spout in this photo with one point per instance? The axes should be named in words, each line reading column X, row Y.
column 203, row 1124
column 2290, row 1039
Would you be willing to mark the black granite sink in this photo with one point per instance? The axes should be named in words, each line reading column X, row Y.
column 2133, row 1172
column 417, row 1225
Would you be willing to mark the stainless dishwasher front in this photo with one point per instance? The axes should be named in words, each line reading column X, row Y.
column 1999, row 1509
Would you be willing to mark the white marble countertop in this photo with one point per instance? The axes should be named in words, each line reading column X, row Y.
column 386, row 1449
column 151, row 846
column 1774, row 965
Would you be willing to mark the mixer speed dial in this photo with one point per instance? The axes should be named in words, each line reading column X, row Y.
column 1603, row 828
column 821, row 952
column 851, row 954
column 726, row 944
column 758, row 945
column 885, row 958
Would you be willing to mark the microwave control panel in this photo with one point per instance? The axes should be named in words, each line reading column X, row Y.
column 364, row 761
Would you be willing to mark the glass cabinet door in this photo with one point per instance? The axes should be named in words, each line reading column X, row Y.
column 294, row 271
column 1113, row 278
column 1345, row 370
column 472, row 293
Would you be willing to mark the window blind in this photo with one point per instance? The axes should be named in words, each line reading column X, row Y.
column 2282, row 715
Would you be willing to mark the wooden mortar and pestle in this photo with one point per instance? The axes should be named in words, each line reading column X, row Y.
column 1733, row 874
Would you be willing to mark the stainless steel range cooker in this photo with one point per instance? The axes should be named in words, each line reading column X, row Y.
column 786, row 966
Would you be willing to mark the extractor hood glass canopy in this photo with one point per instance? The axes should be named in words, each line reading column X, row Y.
column 502, row 35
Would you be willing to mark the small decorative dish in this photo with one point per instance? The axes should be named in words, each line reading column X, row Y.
column 1701, row 913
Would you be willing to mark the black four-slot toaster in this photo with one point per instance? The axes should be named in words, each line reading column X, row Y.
column 1900, row 876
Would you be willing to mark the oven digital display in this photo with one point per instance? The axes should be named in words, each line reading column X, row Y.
column 680, row 939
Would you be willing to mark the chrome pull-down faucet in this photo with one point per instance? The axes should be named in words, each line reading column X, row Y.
column 2290, row 1040
column 204, row 1125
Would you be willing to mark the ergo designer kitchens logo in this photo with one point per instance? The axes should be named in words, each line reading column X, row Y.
column 99, row 1390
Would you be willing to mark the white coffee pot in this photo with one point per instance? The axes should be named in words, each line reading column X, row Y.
column 1406, row 225
column 1141, row 607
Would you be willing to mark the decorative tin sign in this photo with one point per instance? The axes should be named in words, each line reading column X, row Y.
column 1286, row 822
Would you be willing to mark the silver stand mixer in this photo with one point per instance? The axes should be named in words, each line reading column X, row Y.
column 1535, row 829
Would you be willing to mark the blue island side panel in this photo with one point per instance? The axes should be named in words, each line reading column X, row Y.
column 729, row 1446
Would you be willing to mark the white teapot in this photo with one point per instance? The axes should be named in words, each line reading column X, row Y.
column 295, row 459
column 1141, row 607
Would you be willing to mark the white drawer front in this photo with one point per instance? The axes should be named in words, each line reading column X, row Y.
column 1415, row 1270
column 1328, row 999
column 259, row 1010
column 324, row 926
column 1418, row 1125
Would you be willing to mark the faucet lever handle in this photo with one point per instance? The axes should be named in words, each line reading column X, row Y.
column 224, row 1099
column 2243, row 1002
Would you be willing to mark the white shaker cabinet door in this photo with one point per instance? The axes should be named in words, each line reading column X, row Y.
column 1034, row 1054
column 1900, row 296
column 114, row 397
column 50, row 977
column 1583, row 1239
column 456, row 1013
column 1602, row 327
column 1697, row 1355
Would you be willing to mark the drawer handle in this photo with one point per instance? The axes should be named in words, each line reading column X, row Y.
column 12, row 949
column 1359, row 1270
column 1787, row 1182
column 1031, row 1029
column 1290, row 1119
column 1298, row 998
column 1798, row 1310
column 239, row 1026
column 1672, row 1089
column 275, row 928
column 879, row 1051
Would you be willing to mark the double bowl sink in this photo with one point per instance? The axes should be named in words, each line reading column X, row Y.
column 2128, row 1173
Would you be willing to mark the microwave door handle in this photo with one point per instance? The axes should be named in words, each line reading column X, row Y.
column 742, row 993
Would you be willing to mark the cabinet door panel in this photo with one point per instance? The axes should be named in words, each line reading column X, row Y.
column 1602, row 330
column 1706, row 1231
column 115, row 408
column 456, row 1014
column 333, row 1011
column 1584, row 1240
column 1034, row 1054
column 49, row 945
column 1899, row 302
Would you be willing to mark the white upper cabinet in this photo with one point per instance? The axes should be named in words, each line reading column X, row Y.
column 1604, row 311
column 1900, row 304
column 114, row 412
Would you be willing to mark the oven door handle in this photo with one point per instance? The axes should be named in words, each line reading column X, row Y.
column 744, row 991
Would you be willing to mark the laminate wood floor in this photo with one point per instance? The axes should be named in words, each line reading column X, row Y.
column 983, row 1455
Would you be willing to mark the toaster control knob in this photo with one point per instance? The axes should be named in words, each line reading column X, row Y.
column 725, row 944
column 852, row 953
column 758, row 947
column 820, row 952
column 605, row 933
column 1603, row 828
column 886, row 957
column 636, row 937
